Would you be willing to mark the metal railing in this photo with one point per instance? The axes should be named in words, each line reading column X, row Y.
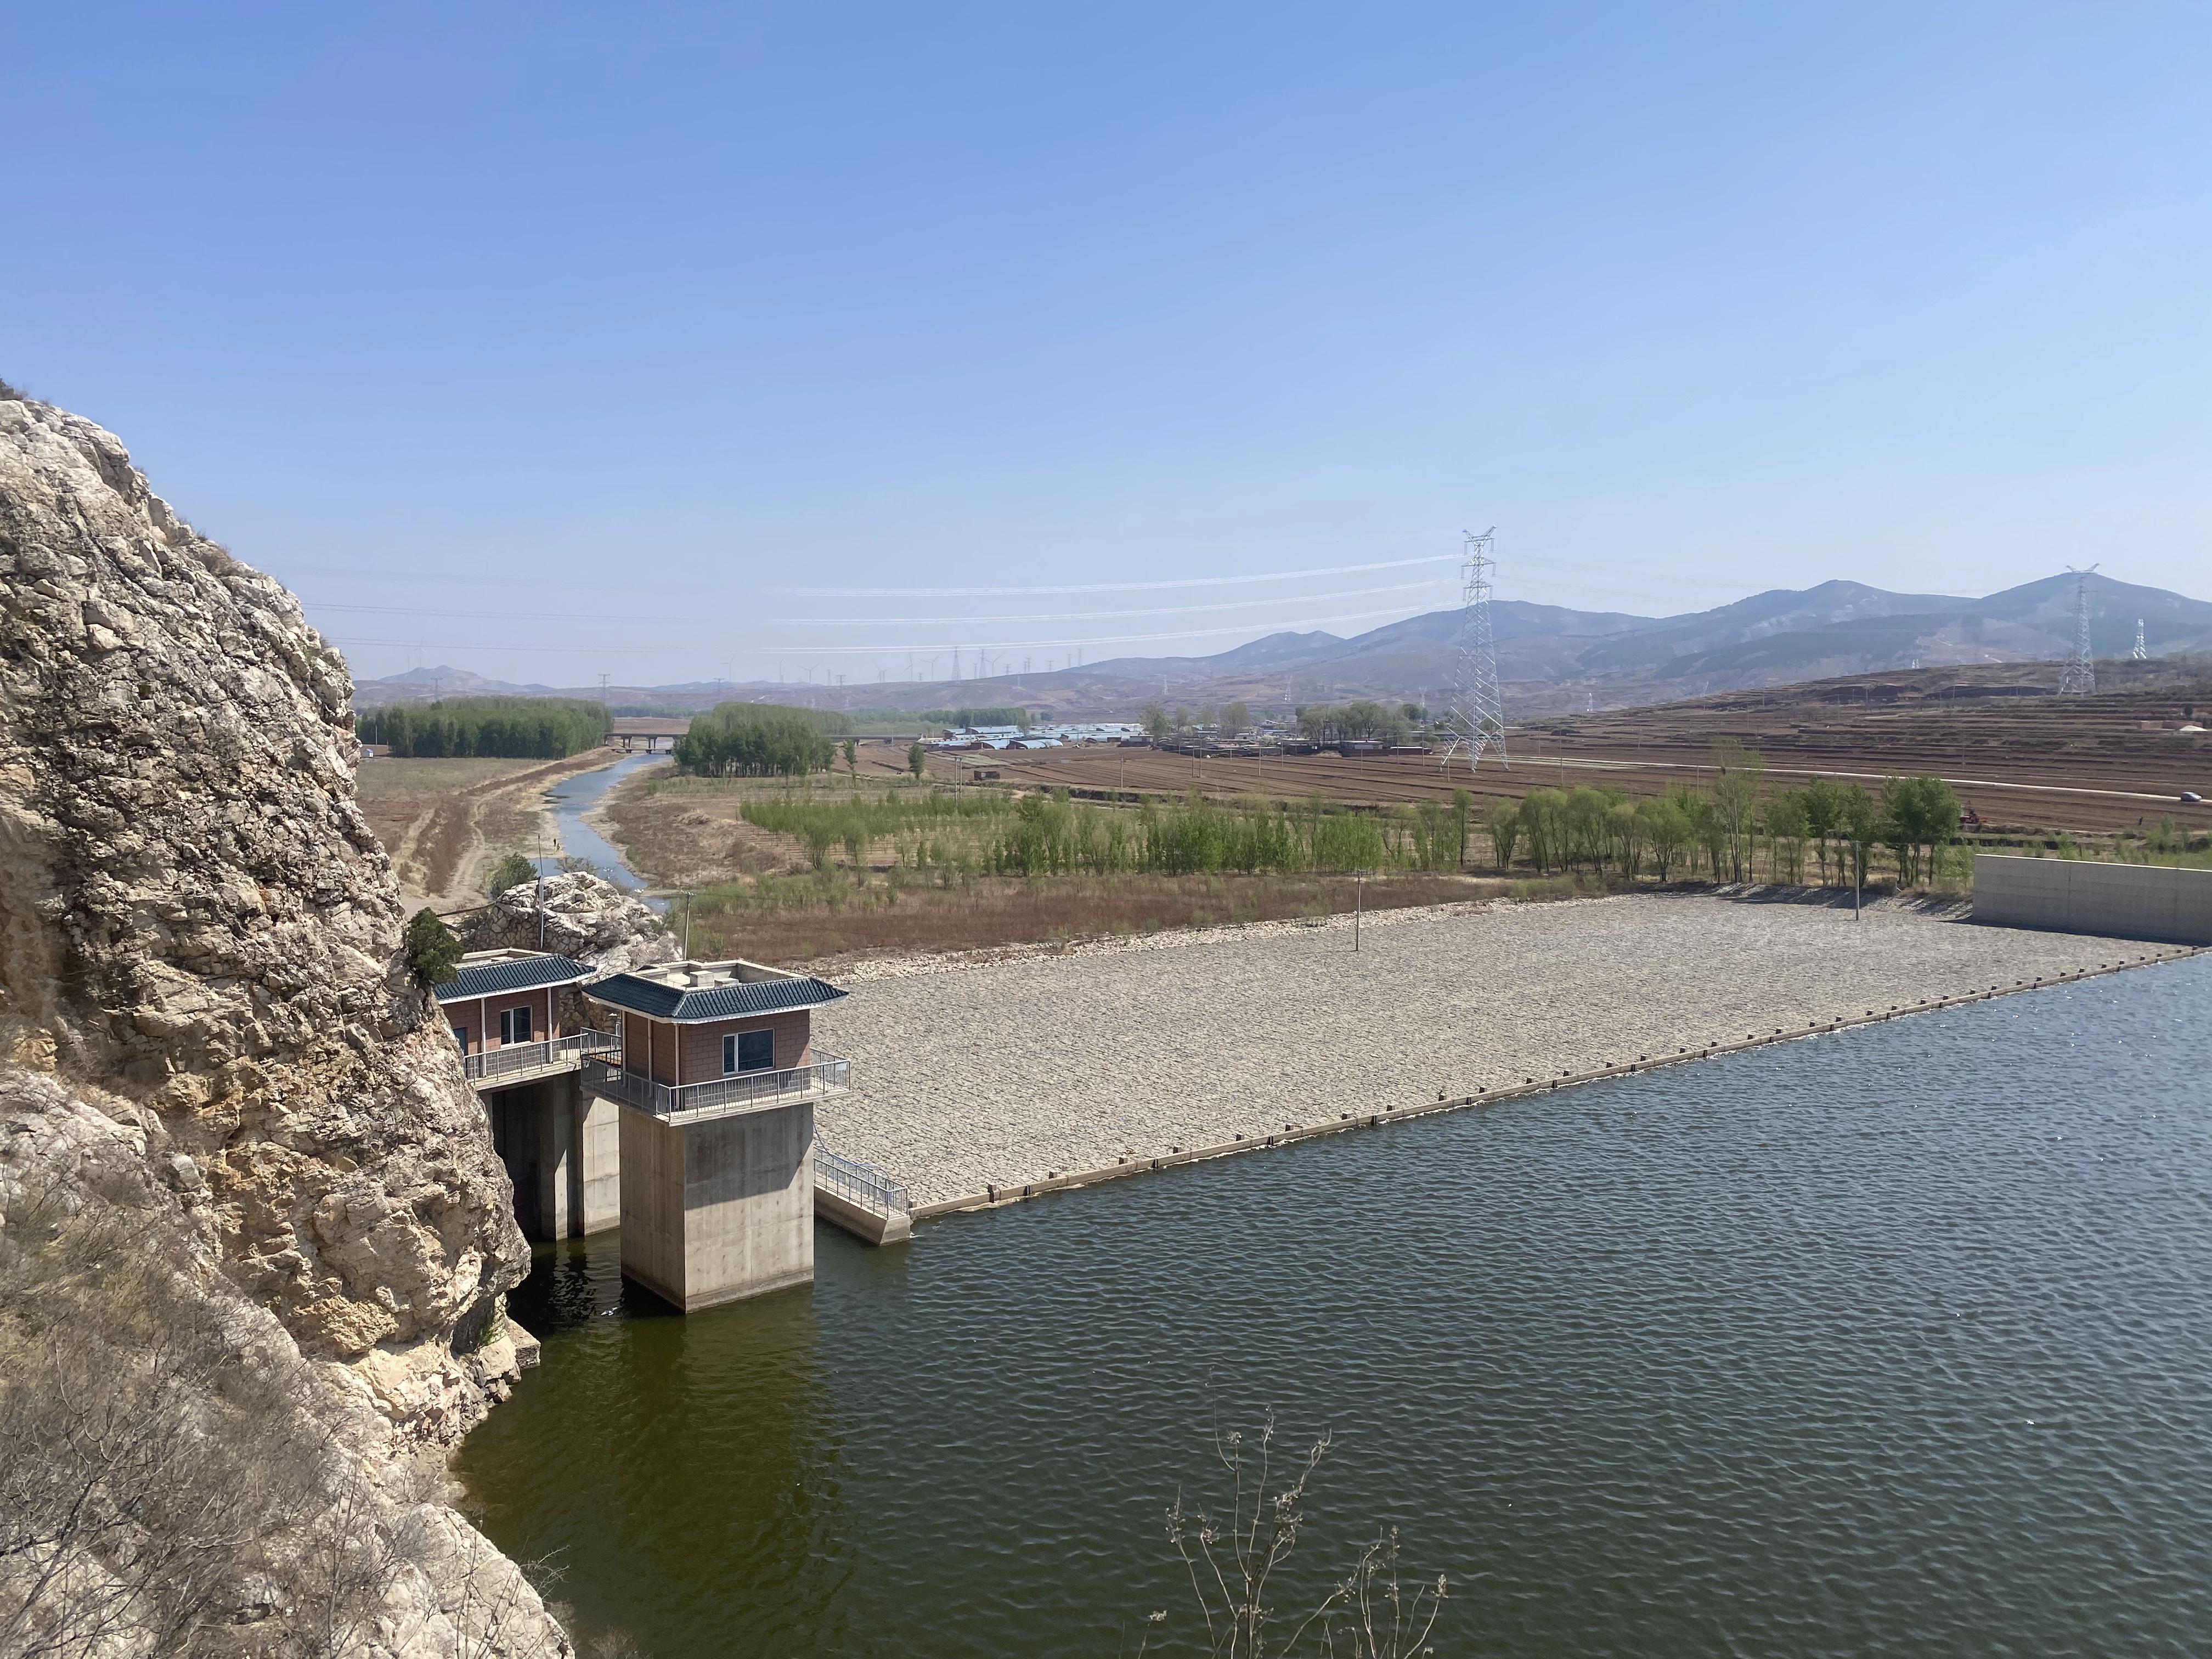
column 862, row 1185
column 745, row 1091
column 512, row 1057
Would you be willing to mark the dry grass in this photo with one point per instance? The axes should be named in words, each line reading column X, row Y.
column 689, row 832
column 437, row 818
column 884, row 920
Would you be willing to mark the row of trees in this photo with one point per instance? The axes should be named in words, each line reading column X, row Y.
column 1738, row 829
column 1229, row 719
column 760, row 740
column 523, row 728
column 1358, row 721
column 1724, row 829
column 1045, row 834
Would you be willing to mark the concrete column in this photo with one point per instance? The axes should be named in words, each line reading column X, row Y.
column 718, row 1209
column 563, row 1149
column 597, row 1204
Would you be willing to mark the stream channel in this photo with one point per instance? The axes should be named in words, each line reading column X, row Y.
column 570, row 799
column 1894, row 1342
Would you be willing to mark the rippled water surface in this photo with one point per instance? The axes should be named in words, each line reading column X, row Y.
column 1890, row 1342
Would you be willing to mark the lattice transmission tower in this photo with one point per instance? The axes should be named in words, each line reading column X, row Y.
column 2079, row 678
column 1478, row 707
column 2141, row 652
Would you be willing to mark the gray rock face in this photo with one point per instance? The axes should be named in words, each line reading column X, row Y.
column 585, row 917
column 199, row 939
column 195, row 913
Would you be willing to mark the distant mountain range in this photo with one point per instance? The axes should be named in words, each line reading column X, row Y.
column 1550, row 659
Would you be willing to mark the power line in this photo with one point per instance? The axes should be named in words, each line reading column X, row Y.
column 895, row 622
column 1094, row 587
column 722, row 644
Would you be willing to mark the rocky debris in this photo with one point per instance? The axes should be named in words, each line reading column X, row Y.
column 585, row 917
column 199, row 945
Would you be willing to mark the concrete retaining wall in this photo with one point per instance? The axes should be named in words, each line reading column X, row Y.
column 2067, row 896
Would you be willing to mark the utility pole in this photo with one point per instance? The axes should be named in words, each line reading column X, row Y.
column 1358, row 897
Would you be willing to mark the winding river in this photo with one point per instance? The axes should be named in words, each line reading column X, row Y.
column 571, row 799
column 1893, row 1342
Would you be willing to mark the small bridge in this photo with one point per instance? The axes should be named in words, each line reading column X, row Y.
column 652, row 734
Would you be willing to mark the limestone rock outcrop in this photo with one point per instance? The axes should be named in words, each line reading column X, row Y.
column 199, row 946
column 585, row 917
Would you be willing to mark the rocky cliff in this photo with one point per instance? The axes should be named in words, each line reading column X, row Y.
column 201, row 985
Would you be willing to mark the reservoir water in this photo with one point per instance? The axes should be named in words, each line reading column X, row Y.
column 573, row 797
column 1894, row 1342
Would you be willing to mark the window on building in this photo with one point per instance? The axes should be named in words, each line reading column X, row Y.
column 748, row 1051
column 514, row 1026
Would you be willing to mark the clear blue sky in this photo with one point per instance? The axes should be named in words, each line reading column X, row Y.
column 650, row 313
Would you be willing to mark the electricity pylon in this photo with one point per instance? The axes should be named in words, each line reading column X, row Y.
column 2079, row 678
column 1477, row 709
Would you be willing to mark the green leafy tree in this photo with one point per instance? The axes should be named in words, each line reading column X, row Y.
column 525, row 728
column 1358, row 721
column 1923, row 812
column 511, row 872
column 1859, row 822
column 1463, row 809
column 852, row 759
column 1502, row 819
column 1625, row 836
column 434, row 954
column 1783, row 819
column 1666, row 833
column 1236, row 720
column 916, row 756
column 1735, row 800
column 1707, row 833
column 1157, row 722
column 1824, row 816
column 1544, row 823
column 753, row 741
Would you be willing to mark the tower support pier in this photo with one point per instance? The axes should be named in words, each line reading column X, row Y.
column 718, row 1207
